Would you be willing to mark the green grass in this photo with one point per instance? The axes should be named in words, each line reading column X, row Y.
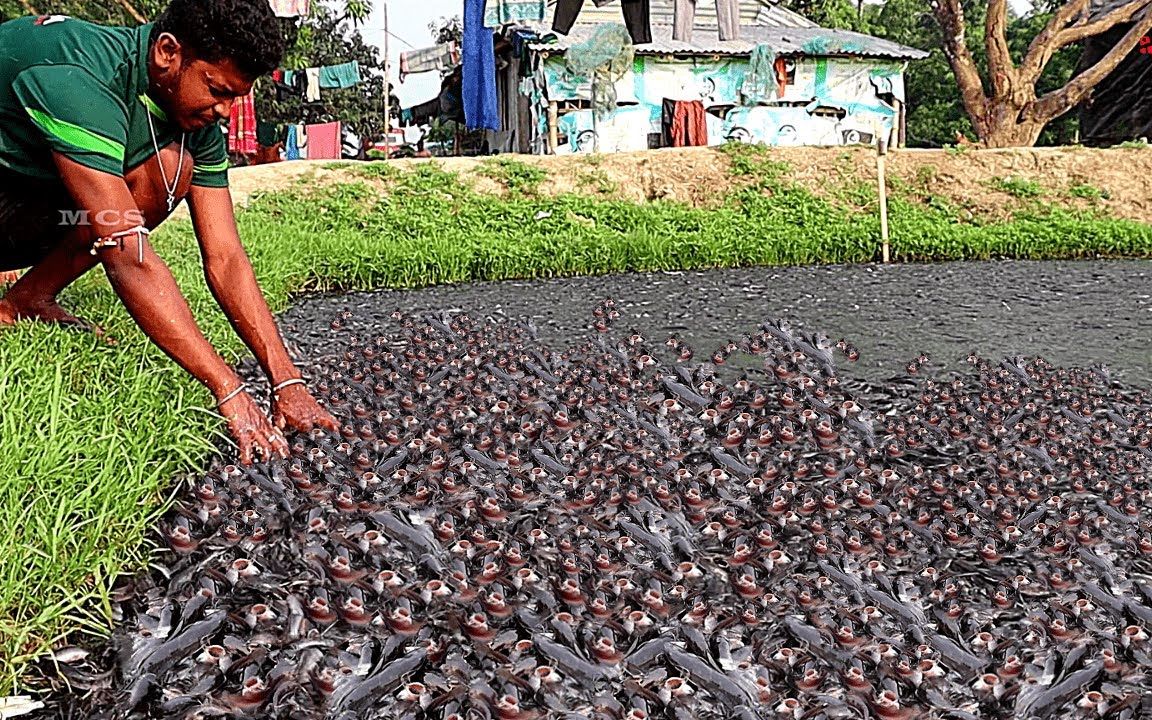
column 1018, row 187
column 1088, row 192
column 92, row 437
column 517, row 176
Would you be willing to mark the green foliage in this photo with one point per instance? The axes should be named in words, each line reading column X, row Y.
column 925, row 175
column 519, row 177
column 446, row 30
column 1088, row 192
column 105, row 12
column 1018, row 187
column 752, row 160
column 843, row 14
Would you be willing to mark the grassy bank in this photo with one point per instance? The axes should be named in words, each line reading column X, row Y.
column 92, row 436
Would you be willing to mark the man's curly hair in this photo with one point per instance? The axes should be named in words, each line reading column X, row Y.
column 244, row 31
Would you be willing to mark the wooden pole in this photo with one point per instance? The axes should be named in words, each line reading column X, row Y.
column 881, row 154
column 553, row 126
column 387, row 91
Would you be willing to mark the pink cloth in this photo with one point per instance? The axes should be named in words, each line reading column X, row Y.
column 242, row 126
column 324, row 141
column 290, row 8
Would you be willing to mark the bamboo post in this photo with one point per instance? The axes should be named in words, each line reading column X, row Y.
column 881, row 154
column 553, row 126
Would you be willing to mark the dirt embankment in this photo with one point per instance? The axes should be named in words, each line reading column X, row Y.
column 987, row 183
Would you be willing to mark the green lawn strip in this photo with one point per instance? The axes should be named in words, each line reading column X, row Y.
column 91, row 437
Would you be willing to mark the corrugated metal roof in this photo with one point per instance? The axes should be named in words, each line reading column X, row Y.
column 705, row 41
column 661, row 12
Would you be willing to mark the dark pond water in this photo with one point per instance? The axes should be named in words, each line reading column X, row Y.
column 1073, row 314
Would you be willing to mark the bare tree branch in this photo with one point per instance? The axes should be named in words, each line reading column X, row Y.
column 1001, row 72
column 1060, row 101
column 950, row 16
column 1065, row 29
column 131, row 10
column 1121, row 15
column 1041, row 49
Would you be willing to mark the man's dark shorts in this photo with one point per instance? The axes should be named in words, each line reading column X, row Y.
column 34, row 218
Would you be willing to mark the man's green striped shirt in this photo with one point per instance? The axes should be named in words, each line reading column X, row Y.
column 81, row 89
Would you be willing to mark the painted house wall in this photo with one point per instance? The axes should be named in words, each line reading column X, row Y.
column 829, row 101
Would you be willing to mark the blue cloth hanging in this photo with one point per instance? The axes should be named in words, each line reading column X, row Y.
column 291, row 150
column 481, row 109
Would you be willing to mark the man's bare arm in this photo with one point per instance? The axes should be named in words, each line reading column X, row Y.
column 232, row 281
column 148, row 290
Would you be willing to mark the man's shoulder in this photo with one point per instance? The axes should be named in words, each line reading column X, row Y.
column 65, row 39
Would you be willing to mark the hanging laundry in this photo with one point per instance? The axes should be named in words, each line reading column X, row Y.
column 302, row 141
column 637, row 16
column 285, row 89
column 441, row 58
column 685, row 123
column 498, row 12
column 684, row 18
column 345, row 75
column 479, row 79
column 291, row 151
column 295, row 143
column 324, row 141
column 312, row 91
column 781, row 67
column 242, row 126
column 290, row 8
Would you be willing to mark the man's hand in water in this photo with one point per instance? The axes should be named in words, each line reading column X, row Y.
column 251, row 429
column 294, row 407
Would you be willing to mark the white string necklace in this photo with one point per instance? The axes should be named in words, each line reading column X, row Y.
column 179, row 165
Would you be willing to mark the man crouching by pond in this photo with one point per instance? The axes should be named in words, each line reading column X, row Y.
column 103, row 130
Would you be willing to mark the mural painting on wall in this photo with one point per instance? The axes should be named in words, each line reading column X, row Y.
column 815, row 101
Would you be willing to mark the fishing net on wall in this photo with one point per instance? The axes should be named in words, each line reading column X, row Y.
column 760, row 79
column 603, row 58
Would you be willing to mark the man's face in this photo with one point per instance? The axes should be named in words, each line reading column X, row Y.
column 204, row 93
column 193, row 92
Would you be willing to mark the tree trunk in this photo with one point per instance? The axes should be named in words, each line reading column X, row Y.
column 1012, row 134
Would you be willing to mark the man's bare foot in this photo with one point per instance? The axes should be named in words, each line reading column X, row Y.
column 48, row 312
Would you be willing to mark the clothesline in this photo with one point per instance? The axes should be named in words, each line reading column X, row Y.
column 309, row 81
